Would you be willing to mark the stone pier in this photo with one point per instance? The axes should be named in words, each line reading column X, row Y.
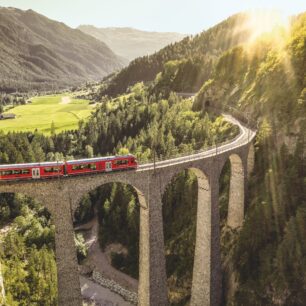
column 62, row 196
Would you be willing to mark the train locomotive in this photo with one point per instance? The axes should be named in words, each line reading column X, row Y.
column 67, row 168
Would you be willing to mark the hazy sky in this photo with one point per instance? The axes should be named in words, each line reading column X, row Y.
column 185, row 16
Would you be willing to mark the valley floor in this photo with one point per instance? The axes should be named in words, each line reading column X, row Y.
column 97, row 295
column 63, row 110
column 101, row 262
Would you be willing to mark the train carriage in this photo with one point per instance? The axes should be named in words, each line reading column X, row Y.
column 72, row 167
column 123, row 162
column 100, row 164
column 83, row 166
column 32, row 170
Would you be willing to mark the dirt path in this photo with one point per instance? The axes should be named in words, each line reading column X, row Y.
column 65, row 100
column 101, row 296
column 99, row 260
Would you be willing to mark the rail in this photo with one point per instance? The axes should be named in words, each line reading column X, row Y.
column 247, row 128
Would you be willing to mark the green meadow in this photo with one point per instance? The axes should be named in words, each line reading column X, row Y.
column 64, row 110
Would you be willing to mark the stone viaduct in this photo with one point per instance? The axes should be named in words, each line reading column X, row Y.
column 62, row 196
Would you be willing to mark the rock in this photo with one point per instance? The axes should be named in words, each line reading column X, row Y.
column 127, row 295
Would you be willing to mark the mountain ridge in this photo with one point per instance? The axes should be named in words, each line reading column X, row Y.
column 40, row 53
column 200, row 51
column 129, row 42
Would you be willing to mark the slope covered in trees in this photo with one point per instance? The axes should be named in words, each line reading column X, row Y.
column 27, row 252
column 267, row 80
column 129, row 123
column 134, row 123
column 266, row 77
column 131, row 43
column 41, row 54
column 194, row 56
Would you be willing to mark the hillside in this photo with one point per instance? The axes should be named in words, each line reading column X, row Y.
column 267, row 80
column 264, row 263
column 118, row 126
column 130, row 43
column 39, row 53
column 197, row 53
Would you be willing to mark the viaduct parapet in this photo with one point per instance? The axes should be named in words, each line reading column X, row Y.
column 62, row 197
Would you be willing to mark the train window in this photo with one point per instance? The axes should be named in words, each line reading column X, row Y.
column 16, row 171
column 121, row 162
column 77, row 167
column 11, row 172
column 84, row 166
column 7, row 172
column 92, row 166
column 52, row 169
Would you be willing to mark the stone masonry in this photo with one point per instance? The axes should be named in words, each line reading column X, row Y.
column 61, row 196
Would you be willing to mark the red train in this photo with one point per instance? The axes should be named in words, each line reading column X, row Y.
column 68, row 168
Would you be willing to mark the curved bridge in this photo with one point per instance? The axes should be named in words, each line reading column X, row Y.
column 62, row 196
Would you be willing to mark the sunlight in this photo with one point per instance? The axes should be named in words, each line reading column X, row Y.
column 263, row 21
column 269, row 29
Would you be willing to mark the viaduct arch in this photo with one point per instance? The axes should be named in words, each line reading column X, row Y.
column 62, row 196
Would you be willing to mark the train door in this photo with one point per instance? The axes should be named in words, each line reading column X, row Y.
column 108, row 166
column 35, row 173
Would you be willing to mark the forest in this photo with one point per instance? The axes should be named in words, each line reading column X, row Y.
column 265, row 79
column 27, row 252
column 11, row 100
column 202, row 50
column 126, row 124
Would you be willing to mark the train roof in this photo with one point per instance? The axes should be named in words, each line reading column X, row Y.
column 30, row 165
column 95, row 159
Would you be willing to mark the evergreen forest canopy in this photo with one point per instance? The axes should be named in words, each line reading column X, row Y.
column 27, row 252
column 189, row 63
column 266, row 79
column 126, row 124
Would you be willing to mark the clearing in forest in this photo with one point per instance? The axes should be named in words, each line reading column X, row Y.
column 64, row 110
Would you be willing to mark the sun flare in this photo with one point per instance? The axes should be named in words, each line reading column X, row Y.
column 265, row 21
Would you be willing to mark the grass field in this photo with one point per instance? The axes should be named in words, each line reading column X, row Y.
column 63, row 110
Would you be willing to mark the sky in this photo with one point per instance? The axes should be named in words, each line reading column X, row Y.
column 184, row 16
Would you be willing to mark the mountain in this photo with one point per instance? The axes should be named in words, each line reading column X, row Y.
column 131, row 43
column 39, row 53
column 264, row 263
column 194, row 58
column 266, row 78
column 267, row 81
